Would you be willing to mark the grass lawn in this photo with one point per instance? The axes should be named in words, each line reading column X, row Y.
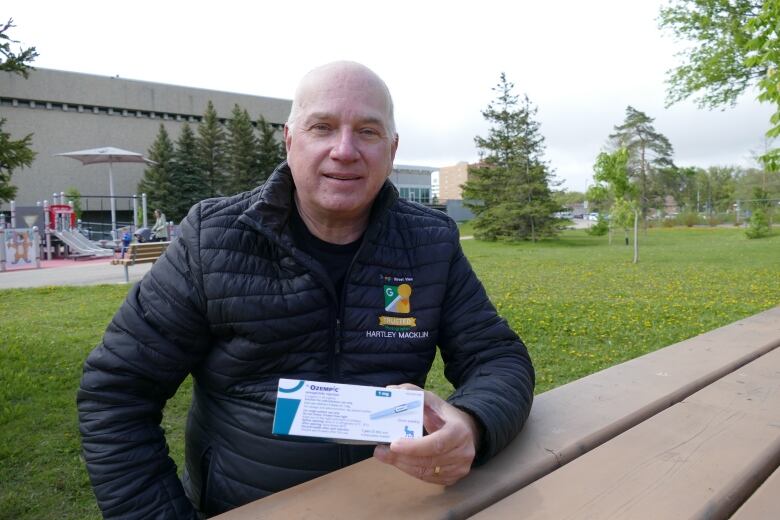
column 578, row 303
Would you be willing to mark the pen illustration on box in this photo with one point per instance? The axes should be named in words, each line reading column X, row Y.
column 401, row 408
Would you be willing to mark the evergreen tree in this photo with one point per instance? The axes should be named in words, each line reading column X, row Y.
column 10, row 61
column 649, row 152
column 187, row 176
column 509, row 190
column 242, row 174
column 157, row 181
column 270, row 149
column 211, row 152
column 14, row 153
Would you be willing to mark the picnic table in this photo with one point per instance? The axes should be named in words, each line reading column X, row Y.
column 689, row 431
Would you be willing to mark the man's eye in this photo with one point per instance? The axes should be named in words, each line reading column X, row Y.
column 320, row 127
column 369, row 132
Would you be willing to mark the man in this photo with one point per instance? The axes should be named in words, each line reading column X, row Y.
column 290, row 280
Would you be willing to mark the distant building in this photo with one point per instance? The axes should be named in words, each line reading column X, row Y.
column 68, row 111
column 435, row 185
column 413, row 182
column 451, row 178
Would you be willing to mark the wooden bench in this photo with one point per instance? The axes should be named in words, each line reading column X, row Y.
column 140, row 253
column 691, row 430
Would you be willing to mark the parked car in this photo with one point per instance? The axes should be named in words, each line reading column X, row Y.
column 593, row 216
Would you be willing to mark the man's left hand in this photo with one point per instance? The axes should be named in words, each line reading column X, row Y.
column 445, row 455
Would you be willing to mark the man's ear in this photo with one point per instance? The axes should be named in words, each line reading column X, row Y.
column 287, row 138
column 394, row 147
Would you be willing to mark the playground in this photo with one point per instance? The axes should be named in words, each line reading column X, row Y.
column 67, row 242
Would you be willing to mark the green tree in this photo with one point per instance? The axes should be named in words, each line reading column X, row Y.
column 735, row 45
column 186, row 176
column 74, row 195
column 271, row 152
column 649, row 152
column 242, row 153
column 760, row 223
column 568, row 198
column 715, row 187
column 211, row 151
column 509, row 190
column 14, row 62
column 14, row 153
column 157, row 181
column 612, row 183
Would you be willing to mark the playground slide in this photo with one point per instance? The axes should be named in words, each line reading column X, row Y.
column 80, row 244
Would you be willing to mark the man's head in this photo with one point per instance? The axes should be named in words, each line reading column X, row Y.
column 341, row 141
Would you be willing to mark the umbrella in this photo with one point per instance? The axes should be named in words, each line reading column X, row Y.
column 108, row 155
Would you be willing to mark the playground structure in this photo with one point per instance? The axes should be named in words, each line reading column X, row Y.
column 60, row 223
column 63, row 235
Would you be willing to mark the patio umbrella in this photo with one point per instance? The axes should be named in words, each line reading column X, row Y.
column 110, row 155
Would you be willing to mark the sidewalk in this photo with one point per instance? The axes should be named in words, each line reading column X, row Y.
column 71, row 272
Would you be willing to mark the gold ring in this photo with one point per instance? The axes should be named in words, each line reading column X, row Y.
column 437, row 470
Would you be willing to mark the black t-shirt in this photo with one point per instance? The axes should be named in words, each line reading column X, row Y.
column 334, row 257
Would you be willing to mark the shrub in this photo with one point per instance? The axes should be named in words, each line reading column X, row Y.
column 600, row 228
column 759, row 224
column 689, row 218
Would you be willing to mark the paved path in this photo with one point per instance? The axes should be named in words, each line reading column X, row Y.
column 72, row 273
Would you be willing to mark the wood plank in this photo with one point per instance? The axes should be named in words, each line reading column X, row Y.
column 564, row 423
column 700, row 458
column 764, row 504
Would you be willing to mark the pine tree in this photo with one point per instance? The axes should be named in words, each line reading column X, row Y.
column 509, row 191
column 186, row 176
column 211, row 152
column 649, row 152
column 270, row 149
column 157, row 180
column 14, row 153
column 242, row 147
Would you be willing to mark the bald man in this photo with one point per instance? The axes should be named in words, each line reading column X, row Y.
column 289, row 281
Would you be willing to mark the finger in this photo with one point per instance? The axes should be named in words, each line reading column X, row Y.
column 436, row 444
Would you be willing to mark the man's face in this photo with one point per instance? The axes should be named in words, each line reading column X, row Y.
column 340, row 149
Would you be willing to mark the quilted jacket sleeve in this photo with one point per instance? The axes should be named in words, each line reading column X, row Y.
column 484, row 359
column 148, row 349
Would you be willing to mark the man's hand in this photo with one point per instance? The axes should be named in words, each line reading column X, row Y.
column 445, row 455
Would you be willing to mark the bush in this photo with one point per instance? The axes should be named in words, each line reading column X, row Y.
column 689, row 218
column 759, row 224
column 600, row 228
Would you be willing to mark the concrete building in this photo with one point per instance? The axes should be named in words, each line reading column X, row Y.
column 67, row 111
column 413, row 182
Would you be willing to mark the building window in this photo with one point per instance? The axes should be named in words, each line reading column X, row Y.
column 415, row 194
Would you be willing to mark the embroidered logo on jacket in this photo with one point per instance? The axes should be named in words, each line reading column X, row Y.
column 397, row 300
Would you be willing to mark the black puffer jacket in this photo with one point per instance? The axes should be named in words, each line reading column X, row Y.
column 234, row 302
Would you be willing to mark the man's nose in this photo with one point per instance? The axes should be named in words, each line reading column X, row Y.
column 345, row 149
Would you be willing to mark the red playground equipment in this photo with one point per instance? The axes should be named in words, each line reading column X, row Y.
column 64, row 210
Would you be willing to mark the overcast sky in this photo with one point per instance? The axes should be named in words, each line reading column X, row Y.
column 580, row 62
